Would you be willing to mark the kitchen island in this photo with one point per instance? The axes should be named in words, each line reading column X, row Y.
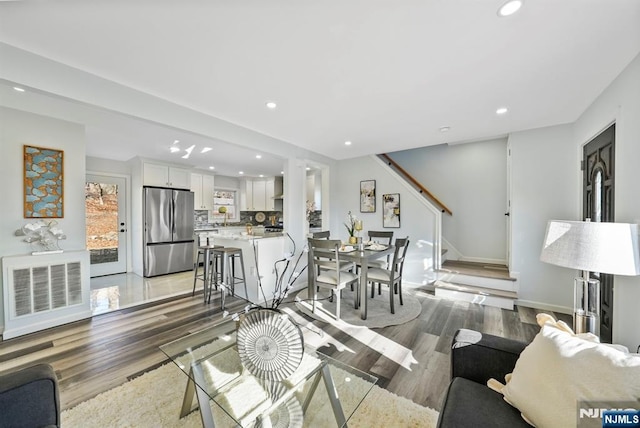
column 260, row 253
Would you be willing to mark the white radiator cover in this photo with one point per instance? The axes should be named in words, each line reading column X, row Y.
column 44, row 291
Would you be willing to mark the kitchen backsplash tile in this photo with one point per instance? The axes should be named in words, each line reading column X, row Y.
column 315, row 218
column 250, row 217
column 200, row 218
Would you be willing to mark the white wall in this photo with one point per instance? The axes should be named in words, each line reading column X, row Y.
column 108, row 166
column 415, row 220
column 20, row 128
column 470, row 179
column 621, row 102
column 544, row 183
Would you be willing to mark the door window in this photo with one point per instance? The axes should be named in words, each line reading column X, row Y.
column 104, row 210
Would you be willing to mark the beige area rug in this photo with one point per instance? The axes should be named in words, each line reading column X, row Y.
column 378, row 311
column 154, row 400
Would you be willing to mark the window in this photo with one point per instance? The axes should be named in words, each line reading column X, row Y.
column 227, row 199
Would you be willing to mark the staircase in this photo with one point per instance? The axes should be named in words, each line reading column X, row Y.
column 484, row 283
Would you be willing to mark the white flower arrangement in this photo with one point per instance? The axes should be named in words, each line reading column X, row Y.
column 45, row 235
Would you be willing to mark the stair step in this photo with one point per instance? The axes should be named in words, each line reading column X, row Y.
column 484, row 270
column 482, row 295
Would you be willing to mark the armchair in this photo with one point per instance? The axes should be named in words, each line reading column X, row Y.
column 29, row 398
column 475, row 358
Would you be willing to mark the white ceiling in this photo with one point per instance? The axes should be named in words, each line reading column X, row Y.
column 386, row 75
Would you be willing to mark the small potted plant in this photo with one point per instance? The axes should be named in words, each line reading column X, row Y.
column 223, row 210
column 351, row 228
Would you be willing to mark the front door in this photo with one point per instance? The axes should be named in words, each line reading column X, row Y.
column 598, row 205
column 105, row 198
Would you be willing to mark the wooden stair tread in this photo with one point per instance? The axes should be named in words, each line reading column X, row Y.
column 463, row 288
column 484, row 270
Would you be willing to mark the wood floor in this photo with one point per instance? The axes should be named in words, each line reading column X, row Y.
column 411, row 360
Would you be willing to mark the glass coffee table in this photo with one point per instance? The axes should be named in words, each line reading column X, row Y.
column 230, row 395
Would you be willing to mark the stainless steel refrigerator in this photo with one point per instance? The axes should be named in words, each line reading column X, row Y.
column 168, row 231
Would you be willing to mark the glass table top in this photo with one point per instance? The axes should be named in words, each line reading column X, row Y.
column 235, row 397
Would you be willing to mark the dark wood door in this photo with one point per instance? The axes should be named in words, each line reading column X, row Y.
column 598, row 193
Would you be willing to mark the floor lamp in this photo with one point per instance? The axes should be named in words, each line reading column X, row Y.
column 591, row 247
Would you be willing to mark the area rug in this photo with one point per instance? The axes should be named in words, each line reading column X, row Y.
column 378, row 311
column 154, row 400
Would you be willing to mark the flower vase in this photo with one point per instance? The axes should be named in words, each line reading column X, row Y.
column 353, row 240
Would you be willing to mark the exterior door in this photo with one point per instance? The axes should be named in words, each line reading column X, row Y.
column 598, row 205
column 105, row 210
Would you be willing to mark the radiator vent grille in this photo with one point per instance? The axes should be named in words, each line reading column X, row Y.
column 43, row 288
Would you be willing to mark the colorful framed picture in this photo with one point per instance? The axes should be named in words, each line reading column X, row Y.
column 391, row 210
column 368, row 196
column 43, row 182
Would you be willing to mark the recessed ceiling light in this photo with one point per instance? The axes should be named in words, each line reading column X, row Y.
column 174, row 149
column 308, row 169
column 261, row 175
column 240, row 172
column 188, row 150
column 510, row 7
column 17, row 88
column 176, row 141
column 271, row 105
column 502, row 110
column 281, row 172
column 206, row 149
column 212, row 167
column 347, row 143
column 258, row 156
column 445, row 129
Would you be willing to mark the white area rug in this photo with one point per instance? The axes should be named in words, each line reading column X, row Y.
column 378, row 310
column 154, row 400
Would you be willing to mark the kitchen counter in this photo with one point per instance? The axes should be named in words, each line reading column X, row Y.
column 259, row 254
column 242, row 237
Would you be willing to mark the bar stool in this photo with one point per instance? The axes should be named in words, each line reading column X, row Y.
column 208, row 275
column 228, row 277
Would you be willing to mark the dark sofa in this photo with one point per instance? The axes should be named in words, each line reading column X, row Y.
column 475, row 358
column 29, row 398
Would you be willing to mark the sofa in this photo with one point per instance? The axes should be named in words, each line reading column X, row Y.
column 476, row 358
column 29, row 398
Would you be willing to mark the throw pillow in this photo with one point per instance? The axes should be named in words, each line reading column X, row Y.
column 558, row 369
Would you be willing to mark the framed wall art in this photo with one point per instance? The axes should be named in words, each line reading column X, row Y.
column 43, row 182
column 368, row 196
column 391, row 210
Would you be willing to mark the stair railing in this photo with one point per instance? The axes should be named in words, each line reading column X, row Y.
column 423, row 190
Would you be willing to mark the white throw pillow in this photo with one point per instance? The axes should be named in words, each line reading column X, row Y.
column 558, row 369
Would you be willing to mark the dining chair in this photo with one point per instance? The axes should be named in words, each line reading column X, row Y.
column 392, row 276
column 325, row 256
column 344, row 265
column 324, row 234
column 383, row 237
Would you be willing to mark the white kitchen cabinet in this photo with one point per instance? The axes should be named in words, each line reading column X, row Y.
column 166, row 176
column 202, row 188
column 258, row 195
column 269, row 193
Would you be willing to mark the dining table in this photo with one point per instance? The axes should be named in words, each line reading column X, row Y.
column 361, row 257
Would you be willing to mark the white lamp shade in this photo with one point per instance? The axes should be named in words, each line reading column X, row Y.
column 592, row 246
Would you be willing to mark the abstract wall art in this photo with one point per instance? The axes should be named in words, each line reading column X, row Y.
column 391, row 210
column 368, row 196
column 43, row 182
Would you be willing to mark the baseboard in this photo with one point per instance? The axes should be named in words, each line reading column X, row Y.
column 544, row 306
